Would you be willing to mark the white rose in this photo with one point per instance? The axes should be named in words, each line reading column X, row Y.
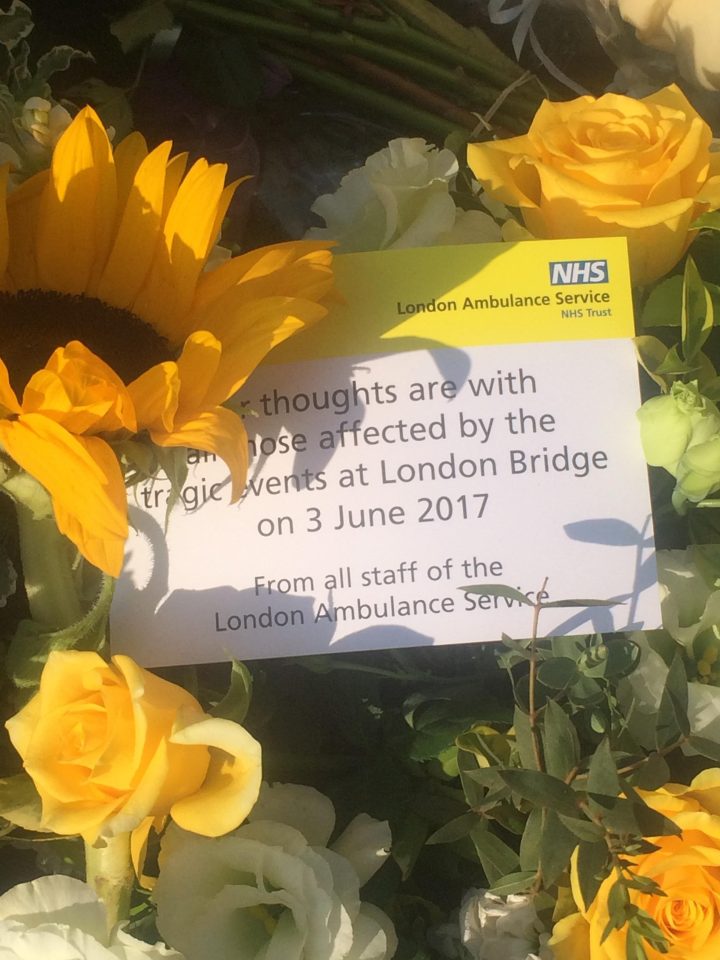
column 690, row 29
column 273, row 889
column 501, row 928
column 400, row 198
column 58, row 918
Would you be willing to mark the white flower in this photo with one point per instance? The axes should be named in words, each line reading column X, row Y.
column 59, row 918
column 400, row 198
column 501, row 928
column 272, row 889
column 689, row 29
column 689, row 605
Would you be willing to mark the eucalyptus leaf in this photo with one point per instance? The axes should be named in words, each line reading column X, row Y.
column 530, row 843
column 592, row 867
column 496, row 857
column 498, row 590
column 651, row 354
column 556, row 846
column 456, row 829
column 524, row 739
column 603, row 777
column 542, row 790
column 514, row 883
column 672, row 719
column 557, row 673
column 561, row 746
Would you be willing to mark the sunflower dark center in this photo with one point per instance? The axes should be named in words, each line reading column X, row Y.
column 33, row 323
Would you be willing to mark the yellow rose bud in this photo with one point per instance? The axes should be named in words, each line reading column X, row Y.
column 110, row 746
column 687, row 870
column 612, row 166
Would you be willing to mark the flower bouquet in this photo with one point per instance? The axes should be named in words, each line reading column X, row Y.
column 177, row 178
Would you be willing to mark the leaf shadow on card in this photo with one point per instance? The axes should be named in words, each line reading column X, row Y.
column 613, row 532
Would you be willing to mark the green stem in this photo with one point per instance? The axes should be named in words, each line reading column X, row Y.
column 492, row 65
column 109, row 871
column 373, row 100
column 325, row 40
column 47, row 556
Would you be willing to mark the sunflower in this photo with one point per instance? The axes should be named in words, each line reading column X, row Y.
column 103, row 280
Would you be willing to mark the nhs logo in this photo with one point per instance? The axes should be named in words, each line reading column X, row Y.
column 578, row 271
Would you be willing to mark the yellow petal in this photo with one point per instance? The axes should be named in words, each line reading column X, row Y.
column 218, row 431
column 233, row 779
column 155, row 396
column 249, row 331
column 138, row 233
column 127, row 156
column 169, row 290
column 83, row 477
column 571, row 938
column 197, row 366
column 23, row 210
column 77, row 212
column 8, row 398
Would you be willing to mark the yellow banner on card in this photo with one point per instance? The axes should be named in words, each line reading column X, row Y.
column 473, row 295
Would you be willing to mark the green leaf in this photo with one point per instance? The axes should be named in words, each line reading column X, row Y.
column 654, row 772
column 561, row 746
column 498, row 590
column 141, row 24
column 54, row 61
column 697, row 312
column 651, row 354
column 557, row 673
column 408, row 841
column 236, row 702
column 496, row 857
column 580, row 603
column 20, row 802
column 583, row 829
column 524, row 739
column 15, row 23
column 707, row 748
column 542, row 790
column 708, row 221
column 454, row 830
column 556, row 846
column 664, row 305
column 530, row 843
column 592, row 868
column 603, row 780
column 672, row 719
column 514, row 883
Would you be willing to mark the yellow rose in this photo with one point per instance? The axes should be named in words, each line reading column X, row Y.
column 687, row 869
column 612, row 166
column 111, row 748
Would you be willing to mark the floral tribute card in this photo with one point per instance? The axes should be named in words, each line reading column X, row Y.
column 465, row 418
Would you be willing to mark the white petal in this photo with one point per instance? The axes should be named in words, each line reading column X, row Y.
column 304, row 808
column 365, row 842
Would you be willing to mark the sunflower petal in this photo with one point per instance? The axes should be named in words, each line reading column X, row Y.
column 248, row 332
column 23, row 211
column 217, row 431
column 197, row 367
column 77, row 213
column 155, row 396
column 8, row 397
column 83, row 477
column 138, row 232
column 188, row 236
column 128, row 155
